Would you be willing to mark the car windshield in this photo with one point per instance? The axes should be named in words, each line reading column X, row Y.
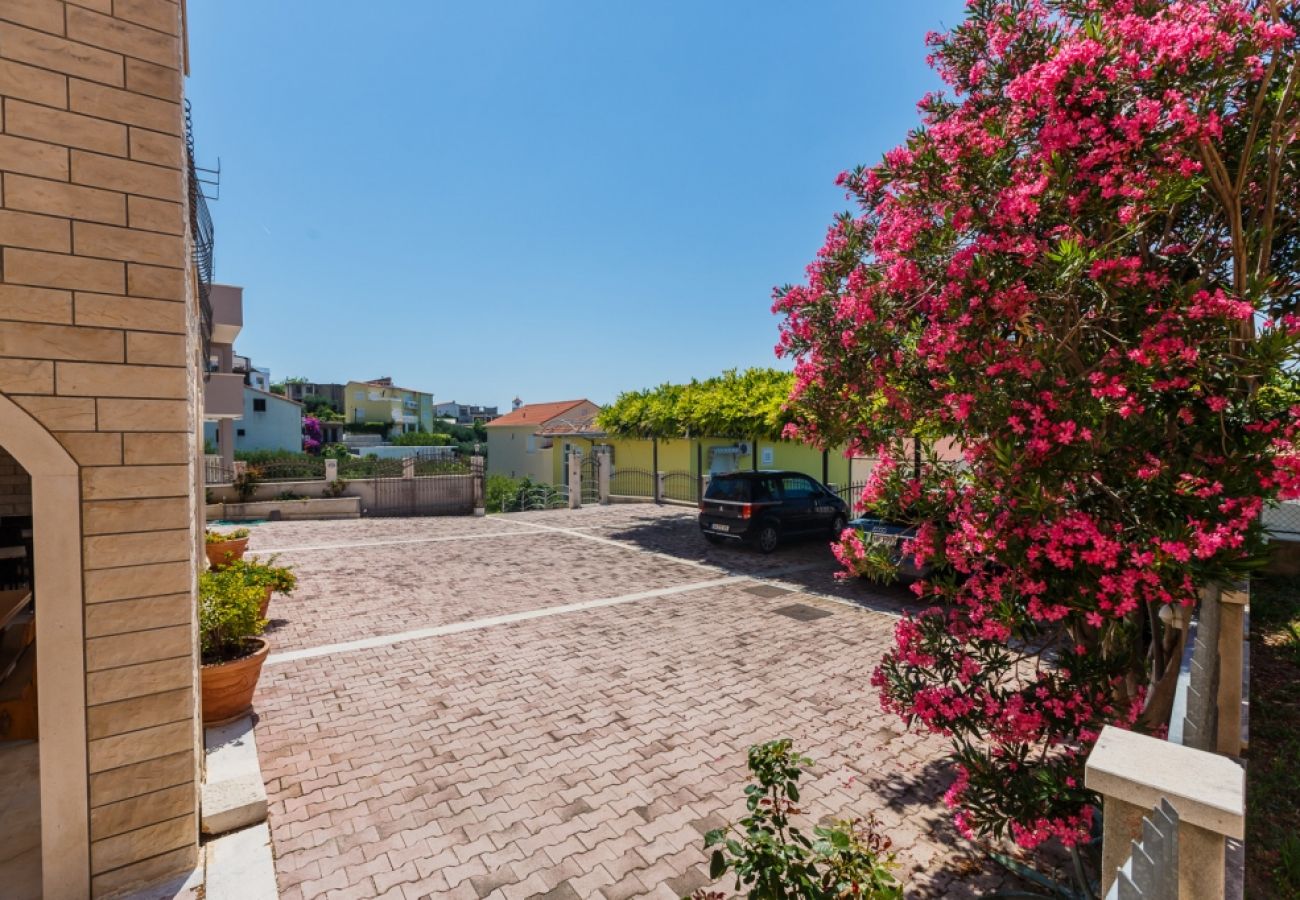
column 736, row 489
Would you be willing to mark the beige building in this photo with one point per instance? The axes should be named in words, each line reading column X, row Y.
column 100, row 403
column 523, row 442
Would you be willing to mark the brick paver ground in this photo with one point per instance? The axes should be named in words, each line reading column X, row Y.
column 579, row 754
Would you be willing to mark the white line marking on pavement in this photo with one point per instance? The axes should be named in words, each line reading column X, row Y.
column 626, row 546
column 396, row 541
column 477, row 624
column 708, row 566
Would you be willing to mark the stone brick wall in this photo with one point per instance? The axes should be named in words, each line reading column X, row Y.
column 15, row 487
column 96, row 343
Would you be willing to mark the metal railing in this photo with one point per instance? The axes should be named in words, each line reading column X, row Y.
column 369, row 467
column 1151, row 871
column 632, row 483
column 851, row 494
column 683, row 487
column 202, row 236
column 308, row 468
column 537, row 497
column 1283, row 519
column 215, row 470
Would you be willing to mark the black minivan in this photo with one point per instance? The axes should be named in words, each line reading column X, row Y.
column 766, row 507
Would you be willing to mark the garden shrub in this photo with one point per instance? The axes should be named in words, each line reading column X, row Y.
column 421, row 439
column 773, row 859
column 501, row 492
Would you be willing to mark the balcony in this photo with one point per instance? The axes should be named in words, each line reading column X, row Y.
column 223, row 396
column 227, row 313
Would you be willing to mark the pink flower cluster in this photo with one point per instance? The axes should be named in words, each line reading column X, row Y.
column 1048, row 276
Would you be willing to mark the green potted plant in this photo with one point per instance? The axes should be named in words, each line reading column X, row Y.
column 230, row 642
column 223, row 548
column 267, row 577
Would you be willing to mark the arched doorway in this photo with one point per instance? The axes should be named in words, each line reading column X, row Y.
column 54, row 538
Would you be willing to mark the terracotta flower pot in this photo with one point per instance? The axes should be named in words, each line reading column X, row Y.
column 266, row 604
column 226, row 552
column 228, row 687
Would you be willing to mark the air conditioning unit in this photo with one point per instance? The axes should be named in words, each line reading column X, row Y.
column 743, row 448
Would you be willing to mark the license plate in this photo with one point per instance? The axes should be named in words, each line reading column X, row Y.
column 879, row 537
column 721, row 527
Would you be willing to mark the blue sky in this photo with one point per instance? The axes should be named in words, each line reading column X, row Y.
column 550, row 199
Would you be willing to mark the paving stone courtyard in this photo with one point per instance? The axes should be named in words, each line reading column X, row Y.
column 559, row 704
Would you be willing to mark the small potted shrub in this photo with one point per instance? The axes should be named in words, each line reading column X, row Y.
column 225, row 548
column 232, row 651
column 268, row 577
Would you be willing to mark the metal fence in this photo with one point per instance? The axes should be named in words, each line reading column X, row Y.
column 304, row 468
column 215, row 471
column 632, row 483
column 429, row 487
column 440, row 461
column 1283, row 519
column 354, row 467
column 681, row 486
column 590, row 480
column 537, row 496
column 852, row 495
column 1151, row 872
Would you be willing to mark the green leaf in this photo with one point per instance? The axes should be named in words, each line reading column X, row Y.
column 717, row 864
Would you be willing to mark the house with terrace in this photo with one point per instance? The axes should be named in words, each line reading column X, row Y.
column 380, row 404
column 533, row 440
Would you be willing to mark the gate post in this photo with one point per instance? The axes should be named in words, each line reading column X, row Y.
column 602, row 476
column 476, row 469
column 408, row 466
column 331, row 470
column 659, row 487
column 575, row 479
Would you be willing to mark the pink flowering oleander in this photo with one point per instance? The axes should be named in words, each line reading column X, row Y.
column 1081, row 271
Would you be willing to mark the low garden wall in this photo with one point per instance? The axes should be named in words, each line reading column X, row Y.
column 420, row 495
column 328, row 508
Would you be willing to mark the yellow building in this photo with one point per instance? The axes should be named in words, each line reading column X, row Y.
column 534, row 441
column 403, row 410
column 712, row 456
column 531, row 441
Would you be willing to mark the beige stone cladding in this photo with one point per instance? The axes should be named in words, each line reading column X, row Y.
column 97, row 326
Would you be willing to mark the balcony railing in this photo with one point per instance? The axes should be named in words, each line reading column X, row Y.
column 201, row 235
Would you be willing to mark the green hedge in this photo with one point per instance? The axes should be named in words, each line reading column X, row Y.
column 422, row 439
column 367, row 427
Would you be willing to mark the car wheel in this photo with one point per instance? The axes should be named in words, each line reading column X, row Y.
column 713, row 538
column 768, row 537
column 838, row 524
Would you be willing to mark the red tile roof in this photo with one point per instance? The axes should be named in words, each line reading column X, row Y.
column 535, row 413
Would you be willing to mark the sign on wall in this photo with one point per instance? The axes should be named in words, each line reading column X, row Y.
column 767, row 455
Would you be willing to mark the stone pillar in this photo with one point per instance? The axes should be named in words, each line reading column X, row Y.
column 1133, row 772
column 408, row 466
column 603, row 476
column 226, row 441
column 575, row 479
column 476, row 469
column 659, row 487
column 331, row 470
column 1232, row 605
